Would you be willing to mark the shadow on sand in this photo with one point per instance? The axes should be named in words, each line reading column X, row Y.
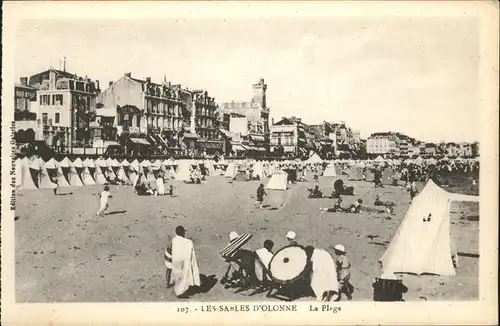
column 206, row 284
column 115, row 212
column 65, row 194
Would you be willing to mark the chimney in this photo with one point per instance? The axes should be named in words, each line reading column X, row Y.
column 97, row 84
column 299, row 120
column 272, row 121
column 64, row 65
column 128, row 74
column 148, row 79
column 110, row 83
column 24, row 81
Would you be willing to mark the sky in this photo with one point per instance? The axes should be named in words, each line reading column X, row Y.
column 415, row 76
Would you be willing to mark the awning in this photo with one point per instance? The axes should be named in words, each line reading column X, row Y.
column 289, row 149
column 239, row 148
column 303, row 150
column 208, row 145
column 257, row 138
column 140, row 141
column 256, row 148
column 190, row 135
column 163, row 142
column 111, row 143
column 302, row 140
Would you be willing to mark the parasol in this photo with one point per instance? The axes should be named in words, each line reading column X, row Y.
column 288, row 264
column 235, row 245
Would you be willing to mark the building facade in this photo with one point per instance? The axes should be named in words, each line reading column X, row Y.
column 65, row 106
column 290, row 136
column 250, row 119
column 382, row 143
column 168, row 116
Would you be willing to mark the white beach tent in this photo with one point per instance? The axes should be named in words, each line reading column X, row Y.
column 314, row 159
column 330, row 170
column 277, row 196
column 87, row 179
column 44, row 178
column 422, row 243
column 65, row 162
column 74, row 178
column 231, row 170
column 99, row 177
column 278, row 181
column 258, row 170
column 183, row 173
column 88, row 162
column 27, row 178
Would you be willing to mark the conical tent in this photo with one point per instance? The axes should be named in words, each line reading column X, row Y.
column 122, row 176
column 74, row 178
column 44, row 179
column 27, row 176
column 231, row 170
column 314, row 159
column 61, row 179
column 99, row 177
column 100, row 162
column 65, row 162
column 87, row 179
column 89, row 163
column 330, row 171
column 77, row 163
column 422, row 243
column 379, row 159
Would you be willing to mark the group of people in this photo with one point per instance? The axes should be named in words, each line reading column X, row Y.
column 247, row 267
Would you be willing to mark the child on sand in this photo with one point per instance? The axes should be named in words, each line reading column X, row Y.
column 343, row 272
column 260, row 194
column 103, row 196
column 171, row 190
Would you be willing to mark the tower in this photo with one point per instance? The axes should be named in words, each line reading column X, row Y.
column 259, row 93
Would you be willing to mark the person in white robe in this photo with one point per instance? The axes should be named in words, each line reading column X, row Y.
column 323, row 278
column 185, row 272
column 160, row 184
column 265, row 255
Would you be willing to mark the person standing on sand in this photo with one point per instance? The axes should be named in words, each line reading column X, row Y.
column 343, row 272
column 261, row 192
column 103, row 197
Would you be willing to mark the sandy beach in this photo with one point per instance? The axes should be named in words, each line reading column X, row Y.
column 64, row 253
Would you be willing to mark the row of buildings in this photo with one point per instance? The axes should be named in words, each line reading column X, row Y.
column 398, row 144
column 139, row 115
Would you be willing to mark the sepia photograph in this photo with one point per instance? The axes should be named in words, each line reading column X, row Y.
column 249, row 163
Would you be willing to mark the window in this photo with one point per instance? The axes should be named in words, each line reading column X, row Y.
column 57, row 117
column 45, row 100
column 138, row 121
column 44, row 118
column 57, row 99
